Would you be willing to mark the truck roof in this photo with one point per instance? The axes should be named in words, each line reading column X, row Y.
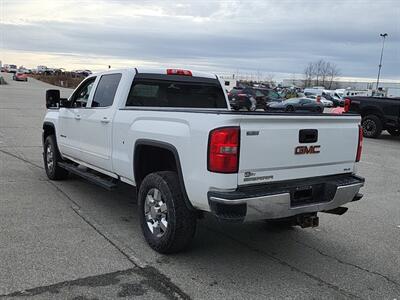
column 162, row 71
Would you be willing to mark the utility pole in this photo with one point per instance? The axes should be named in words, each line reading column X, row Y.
column 383, row 35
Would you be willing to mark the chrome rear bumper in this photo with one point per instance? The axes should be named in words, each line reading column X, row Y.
column 279, row 203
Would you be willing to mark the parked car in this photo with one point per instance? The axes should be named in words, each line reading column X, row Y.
column 297, row 104
column 378, row 113
column 317, row 98
column 270, row 95
column 335, row 99
column 239, row 99
column 250, row 96
column 10, row 68
column 83, row 73
column 20, row 76
column 41, row 69
column 170, row 133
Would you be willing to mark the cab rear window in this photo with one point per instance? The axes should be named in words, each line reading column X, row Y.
column 172, row 93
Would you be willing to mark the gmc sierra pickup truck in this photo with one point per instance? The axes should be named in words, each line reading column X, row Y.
column 172, row 134
column 378, row 113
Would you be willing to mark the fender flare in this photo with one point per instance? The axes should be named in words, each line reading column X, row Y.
column 50, row 124
column 174, row 151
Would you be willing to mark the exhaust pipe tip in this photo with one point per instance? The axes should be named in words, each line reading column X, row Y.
column 337, row 211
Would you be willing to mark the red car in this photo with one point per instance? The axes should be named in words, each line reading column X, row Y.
column 20, row 76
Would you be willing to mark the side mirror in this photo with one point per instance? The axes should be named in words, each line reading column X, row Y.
column 52, row 98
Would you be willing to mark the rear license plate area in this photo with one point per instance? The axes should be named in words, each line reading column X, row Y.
column 308, row 195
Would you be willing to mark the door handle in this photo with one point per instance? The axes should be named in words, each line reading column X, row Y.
column 77, row 117
column 105, row 120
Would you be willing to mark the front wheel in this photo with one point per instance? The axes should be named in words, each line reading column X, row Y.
column 51, row 157
column 289, row 108
column 168, row 225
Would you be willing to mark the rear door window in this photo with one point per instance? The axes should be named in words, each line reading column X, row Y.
column 170, row 93
column 106, row 89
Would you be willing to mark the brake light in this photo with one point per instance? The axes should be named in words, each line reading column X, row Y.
column 179, row 72
column 242, row 95
column 360, row 142
column 347, row 103
column 223, row 150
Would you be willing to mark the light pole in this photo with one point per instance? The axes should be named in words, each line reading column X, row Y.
column 384, row 35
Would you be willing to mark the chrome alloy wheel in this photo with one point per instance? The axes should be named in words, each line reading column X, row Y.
column 156, row 213
column 369, row 127
column 50, row 158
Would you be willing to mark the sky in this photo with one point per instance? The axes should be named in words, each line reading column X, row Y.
column 265, row 38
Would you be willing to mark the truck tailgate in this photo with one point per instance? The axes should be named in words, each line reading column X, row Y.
column 284, row 147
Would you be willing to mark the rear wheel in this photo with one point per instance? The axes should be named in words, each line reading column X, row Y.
column 394, row 132
column 51, row 157
column 289, row 108
column 372, row 126
column 318, row 109
column 167, row 224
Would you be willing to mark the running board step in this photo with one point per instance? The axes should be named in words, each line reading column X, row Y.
column 108, row 184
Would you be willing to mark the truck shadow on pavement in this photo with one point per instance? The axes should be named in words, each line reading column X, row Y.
column 239, row 258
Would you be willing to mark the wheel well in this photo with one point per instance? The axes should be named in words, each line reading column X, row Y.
column 370, row 111
column 48, row 129
column 150, row 158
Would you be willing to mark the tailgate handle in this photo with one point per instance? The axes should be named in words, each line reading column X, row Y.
column 308, row 135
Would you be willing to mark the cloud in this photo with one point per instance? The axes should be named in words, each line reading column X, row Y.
column 249, row 36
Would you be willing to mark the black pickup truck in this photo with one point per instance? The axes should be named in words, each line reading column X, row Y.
column 377, row 114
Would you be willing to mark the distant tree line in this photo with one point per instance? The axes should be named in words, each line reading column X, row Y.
column 321, row 73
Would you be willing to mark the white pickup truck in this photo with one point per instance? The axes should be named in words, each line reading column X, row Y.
column 172, row 135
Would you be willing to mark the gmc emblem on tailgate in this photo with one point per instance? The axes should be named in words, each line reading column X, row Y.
column 307, row 149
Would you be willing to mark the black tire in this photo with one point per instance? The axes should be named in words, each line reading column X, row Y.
column 289, row 108
column 372, row 126
column 318, row 109
column 181, row 221
column 394, row 132
column 51, row 157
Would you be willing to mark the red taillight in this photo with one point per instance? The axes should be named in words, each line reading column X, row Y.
column 347, row 103
column 179, row 72
column 360, row 142
column 223, row 150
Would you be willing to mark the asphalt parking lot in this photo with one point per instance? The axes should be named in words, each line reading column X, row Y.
column 73, row 240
